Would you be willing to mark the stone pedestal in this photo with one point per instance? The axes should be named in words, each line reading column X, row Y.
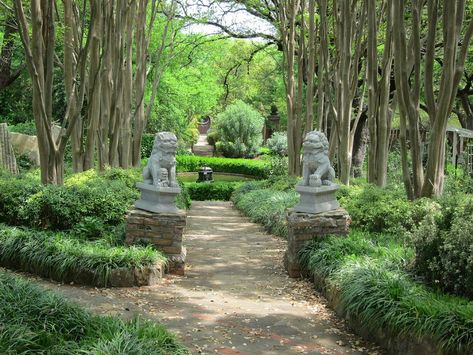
column 157, row 199
column 317, row 199
column 163, row 231
column 302, row 227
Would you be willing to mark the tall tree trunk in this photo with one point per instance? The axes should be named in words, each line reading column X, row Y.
column 379, row 107
column 93, row 109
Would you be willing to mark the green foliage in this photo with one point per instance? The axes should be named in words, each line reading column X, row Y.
column 24, row 163
column 14, row 193
column 457, row 181
column 240, row 128
column 147, row 142
column 103, row 197
column 213, row 136
column 28, row 128
column 378, row 209
column 256, row 168
column 63, row 258
column 33, row 320
column 61, row 207
column 278, row 143
column 16, row 100
column 368, row 271
column 218, row 190
column 266, row 206
column 444, row 250
column 278, row 165
column 183, row 200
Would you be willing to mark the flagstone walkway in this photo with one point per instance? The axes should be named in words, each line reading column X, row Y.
column 235, row 298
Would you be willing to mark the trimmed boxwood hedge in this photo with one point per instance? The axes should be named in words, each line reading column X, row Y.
column 218, row 190
column 256, row 168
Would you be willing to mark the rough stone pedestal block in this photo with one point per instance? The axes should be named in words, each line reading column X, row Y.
column 157, row 199
column 317, row 199
column 163, row 231
column 302, row 227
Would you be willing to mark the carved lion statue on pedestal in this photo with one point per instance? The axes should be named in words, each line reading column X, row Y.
column 161, row 168
column 316, row 168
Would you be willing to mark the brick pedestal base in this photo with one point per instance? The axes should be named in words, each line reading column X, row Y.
column 161, row 230
column 302, row 227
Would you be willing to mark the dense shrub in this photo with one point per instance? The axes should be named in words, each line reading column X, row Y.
column 34, row 320
column 103, row 197
column 61, row 207
column 239, row 128
column 147, row 142
column 278, row 166
column 183, row 200
column 444, row 250
column 63, row 258
column 378, row 209
column 14, row 193
column 457, row 181
column 212, row 136
column 278, row 143
column 27, row 128
column 255, row 168
column 368, row 270
column 218, row 190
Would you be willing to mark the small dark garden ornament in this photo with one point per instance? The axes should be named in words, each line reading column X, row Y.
column 205, row 174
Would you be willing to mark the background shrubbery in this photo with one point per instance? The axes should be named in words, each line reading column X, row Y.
column 256, row 168
column 277, row 144
column 239, row 130
column 444, row 247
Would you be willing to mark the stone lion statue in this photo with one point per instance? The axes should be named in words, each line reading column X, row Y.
column 161, row 168
column 316, row 168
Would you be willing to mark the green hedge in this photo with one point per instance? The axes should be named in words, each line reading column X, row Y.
column 33, row 320
column 257, row 168
column 369, row 272
column 218, row 190
column 64, row 258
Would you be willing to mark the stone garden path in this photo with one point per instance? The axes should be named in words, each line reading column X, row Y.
column 235, row 298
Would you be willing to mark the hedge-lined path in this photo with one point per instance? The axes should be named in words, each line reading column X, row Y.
column 235, row 298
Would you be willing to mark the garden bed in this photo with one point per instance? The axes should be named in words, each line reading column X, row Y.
column 66, row 259
column 33, row 320
column 372, row 278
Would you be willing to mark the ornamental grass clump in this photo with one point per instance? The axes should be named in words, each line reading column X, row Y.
column 444, row 248
column 370, row 273
column 267, row 207
column 33, row 320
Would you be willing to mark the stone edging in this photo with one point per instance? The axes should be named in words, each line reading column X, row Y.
column 120, row 277
column 395, row 344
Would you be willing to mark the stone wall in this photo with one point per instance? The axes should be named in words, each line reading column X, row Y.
column 302, row 227
column 24, row 144
column 161, row 230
